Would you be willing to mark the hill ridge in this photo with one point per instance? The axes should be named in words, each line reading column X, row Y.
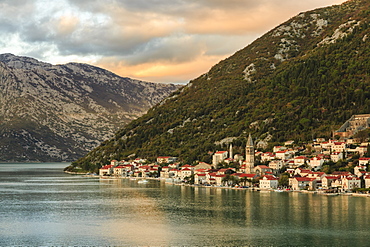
column 60, row 112
column 287, row 84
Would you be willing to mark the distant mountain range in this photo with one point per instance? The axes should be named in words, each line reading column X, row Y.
column 301, row 80
column 60, row 112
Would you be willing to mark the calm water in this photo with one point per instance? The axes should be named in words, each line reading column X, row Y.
column 42, row 206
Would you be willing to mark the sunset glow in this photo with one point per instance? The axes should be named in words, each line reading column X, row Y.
column 159, row 41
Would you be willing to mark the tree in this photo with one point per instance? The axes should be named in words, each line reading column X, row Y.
column 367, row 154
column 362, row 135
column 284, row 180
column 230, row 180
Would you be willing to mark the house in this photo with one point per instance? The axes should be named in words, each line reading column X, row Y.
column 200, row 179
column 166, row 159
column 349, row 183
column 289, row 143
column 316, row 175
column 336, row 156
column 316, row 163
column 211, row 178
column 300, row 161
column 186, row 172
column 219, row 179
column 106, row 170
column 327, row 181
column 165, row 172
column 174, row 173
column 268, row 182
column 361, row 150
column 363, row 161
column 276, row 149
column 302, row 172
column 203, row 165
column 276, row 164
column 338, row 147
column 267, row 156
column 283, row 155
column 367, row 181
column 219, row 157
column 225, row 171
column 302, row 183
column 120, row 170
column 358, row 170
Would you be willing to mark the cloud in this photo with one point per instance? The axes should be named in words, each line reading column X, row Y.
column 163, row 40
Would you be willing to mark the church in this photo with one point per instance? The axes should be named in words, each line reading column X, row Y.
column 249, row 156
column 249, row 162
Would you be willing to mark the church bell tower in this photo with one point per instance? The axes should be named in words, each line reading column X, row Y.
column 249, row 156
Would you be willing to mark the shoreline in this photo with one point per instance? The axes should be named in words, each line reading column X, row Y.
column 222, row 187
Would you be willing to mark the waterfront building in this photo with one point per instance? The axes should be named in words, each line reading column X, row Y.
column 200, row 179
column 367, row 181
column 106, row 170
column 349, row 183
column 302, row 183
column 268, row 182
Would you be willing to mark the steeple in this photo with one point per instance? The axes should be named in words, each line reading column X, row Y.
column 249, row 155
column 231, row 151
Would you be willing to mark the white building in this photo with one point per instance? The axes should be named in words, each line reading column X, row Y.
column 218, row 157
column 269, row 182
column 316, row 163
column 336, row 156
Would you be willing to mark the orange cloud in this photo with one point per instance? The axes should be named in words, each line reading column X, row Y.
column 162, row 72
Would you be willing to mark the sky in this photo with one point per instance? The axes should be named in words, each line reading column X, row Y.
column 168, row 41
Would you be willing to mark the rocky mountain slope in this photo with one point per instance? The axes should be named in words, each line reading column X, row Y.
column 299, row 81
column 60, row 112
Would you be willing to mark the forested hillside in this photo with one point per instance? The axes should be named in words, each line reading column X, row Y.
column 299, row 81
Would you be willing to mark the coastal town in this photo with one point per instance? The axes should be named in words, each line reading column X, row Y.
column 288, row 167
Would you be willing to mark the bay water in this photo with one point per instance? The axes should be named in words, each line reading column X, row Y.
column 40, row 205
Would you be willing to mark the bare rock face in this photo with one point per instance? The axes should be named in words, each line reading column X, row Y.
column 60, row 112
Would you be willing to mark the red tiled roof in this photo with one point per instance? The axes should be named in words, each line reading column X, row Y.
column 303, row 179
column 264, row 167
column 269, row 177
column 300, row 157
column 106, row 167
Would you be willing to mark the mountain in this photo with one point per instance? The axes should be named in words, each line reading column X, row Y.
column 60, row 112
column 301, row 80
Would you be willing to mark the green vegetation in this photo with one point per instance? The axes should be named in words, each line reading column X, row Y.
column 306, row 96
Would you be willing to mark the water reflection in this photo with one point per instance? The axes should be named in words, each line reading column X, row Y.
column 46, row 207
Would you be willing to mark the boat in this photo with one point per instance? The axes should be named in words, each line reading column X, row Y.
column 142, row 181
